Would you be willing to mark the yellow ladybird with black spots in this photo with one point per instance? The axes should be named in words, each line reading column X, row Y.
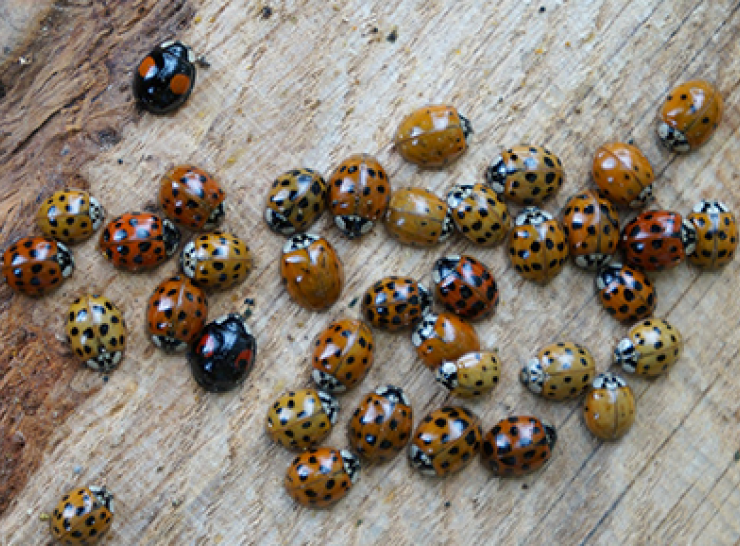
column 96, row 331
column 301, row 418
column 216, row 260
column 70, row 216
column 651, row 348
column 83, row 516
column 560, row 371
column 526, row 175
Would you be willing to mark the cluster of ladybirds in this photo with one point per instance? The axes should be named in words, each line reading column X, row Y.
column 358, row 195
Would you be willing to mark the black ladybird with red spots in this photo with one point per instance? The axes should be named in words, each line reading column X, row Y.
column 165, row 78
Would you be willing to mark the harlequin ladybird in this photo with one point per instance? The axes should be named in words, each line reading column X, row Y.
column 320, row 477
column 716, row 235
column 518, row 446
column 216, row 260
column 560, row 371
column 70, row 216
column 417, row 217
column 526, row 175
column 445, row 441
column 394, row 303
column 626, row 293
column 657, row 239
column 465, row 286
column 139, row 240
column 651, row 347
column 165, row 78
column 473, row 374
column 443, row 337
column 479, row 213
column 359, row 191
column 192, row 198
column 296, row 200
column 690, row 115
column 176, row 313
column 342, row 355
column 623, row 174
column 537, row 245
column 96, row 332
column 301, row 418
column 433, row 136
column 381, row 425
column 223, row 354
column 609, row 409
column 591, row 226
column 311, row 271
column 35, row 266
column 83, row 516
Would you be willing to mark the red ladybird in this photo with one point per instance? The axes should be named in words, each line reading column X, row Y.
column 192, row 198
column 139, row 240
column 517, row 446
column 657, row 239
column 342, row 355
column 35, row 266
column 176, row 313
column 465, row 286
column 626, row 293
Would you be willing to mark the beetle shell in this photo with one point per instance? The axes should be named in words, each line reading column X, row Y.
column 419, row 218
column 296, row 200
column 216, row 260
column 96, row 332
column 83, row 516
column 473, row 374
column 320, row 477
column 526, row 175
column 690, row 115
column 537, row 246
column 342, row 355
column 560, row 371
column 623, row 174
column 70, row 216
column 192, row 198
column 381, row 425
column 433, row 136
column 311, row 271
column 626, row 293
column 138, row 241
column 591, row 225
column 465, row 286
column 609, row 409
column 518, row 446
column 651, row 347
column 165, row 78
column 301, row 418
column 176, row 313
column 716, row 235
column 394, row 303
column 657, row 239
column 443, row 337
column 359, row 192
column 479, row 213
column 35, row 266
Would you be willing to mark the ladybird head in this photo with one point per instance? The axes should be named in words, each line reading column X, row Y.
column 688, row 236
column 65, row 260
column 448, row 226
column 178, row 49
column 532, row 216
column 551, row 434
column 169, row 344
column 351, row 464
column 189, row 259
column 421, row 461
column 466, row 126
column 299, row 242
column 643, row 197
column 393, row 394
column 105, row 361
column 424, row 330
column 626, row 355
column 532, row 376
column 216, row 216
column 592, row 261
column 672, row 138
column 327, row 381
column 447, row 375
column 330, row 405
column 444, row 267
column 97, row 213
column 496, row 174
column 425, row 300
column 609, row 274
column 103, row 496
column 458, row 194
column 710, row 207
column 609, row 381
column 352, row 225
column 171, row 237
column 278, row 222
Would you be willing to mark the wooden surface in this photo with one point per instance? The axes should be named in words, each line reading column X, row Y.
column 307, row 86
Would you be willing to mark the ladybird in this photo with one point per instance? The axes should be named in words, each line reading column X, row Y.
column 342, row 355
column 690, row 115
column 560, row 371
column 473, row 374
column 139, row 240
column 83, row 516
column 526, row 175
column 517, row 446
column 623, row 174
column 591, row 225
column 716, row 235
column 216, row 260
column 444, row 336
column 626, row 293
column 609, row 408
column 479, row 213
column 381, row 425
column 445, row 441
column 35, row 266
column 657, row 239
column 70, row 216
column 192, row 198
column 538, row 247
column 96, row 332
column 301, row 418
column 465, row 286
column 417, row 217
column 322, row 476
column 311, row 271
column 176, row 313
column 359, row 192
column 223, row 354
column 296, row 200
column 651, row 347
column 433, row 136
column 395, row 303
column 165, row 78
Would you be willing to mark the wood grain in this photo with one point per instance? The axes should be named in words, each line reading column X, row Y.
column 308, row 86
